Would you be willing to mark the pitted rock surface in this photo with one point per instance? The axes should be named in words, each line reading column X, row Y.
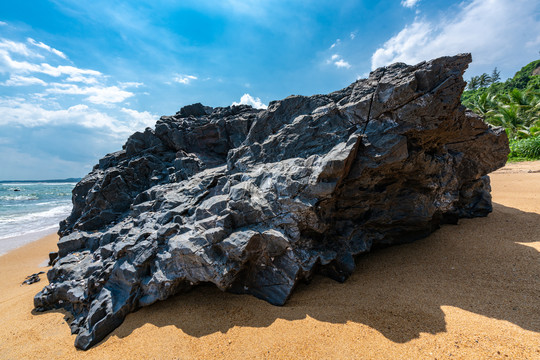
column 255, row 201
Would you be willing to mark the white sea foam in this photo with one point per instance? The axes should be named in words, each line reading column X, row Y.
column 19, row 225
column 37, row 183
column 32, row 212
column 10, row 243
column 18, row 197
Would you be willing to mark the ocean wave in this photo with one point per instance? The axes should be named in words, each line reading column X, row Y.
column 21, row 224
column 38, row 206
column 54, row 212
column 38, row 183
column 56, row 194
column 18, row 197
column 54, row 202
column 28, row 232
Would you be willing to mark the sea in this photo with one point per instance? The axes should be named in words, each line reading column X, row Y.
column 31, row 210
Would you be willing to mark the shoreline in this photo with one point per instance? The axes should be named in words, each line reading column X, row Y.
column 12, row 243
column 31, row 210
column 466, row 291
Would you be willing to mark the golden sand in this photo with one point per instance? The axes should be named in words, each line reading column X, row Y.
column 468, row 291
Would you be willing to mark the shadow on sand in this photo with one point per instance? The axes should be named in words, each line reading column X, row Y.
column 482, row 265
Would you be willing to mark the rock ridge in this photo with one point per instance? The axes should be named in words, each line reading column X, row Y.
column 255, row 201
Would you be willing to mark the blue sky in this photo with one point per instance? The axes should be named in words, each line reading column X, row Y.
column 77, row 78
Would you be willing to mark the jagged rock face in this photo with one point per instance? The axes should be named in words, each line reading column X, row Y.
column 255, row 201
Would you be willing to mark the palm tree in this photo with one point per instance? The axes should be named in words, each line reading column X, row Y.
column 527, row 102
column 485, row 105
column 495, row 76
column 508, row 117
column 484, row 80
column 517, row 111
column 473, row 83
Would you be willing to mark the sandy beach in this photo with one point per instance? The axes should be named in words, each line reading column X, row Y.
column 468, row 291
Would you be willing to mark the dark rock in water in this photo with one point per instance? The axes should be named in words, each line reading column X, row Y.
column 255, row 201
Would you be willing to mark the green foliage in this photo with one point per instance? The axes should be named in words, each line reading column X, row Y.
column 495, row 76
column 523, row 79
column 514, row 105
column 524, row 76
column 484, row 80
column 534, row 82
column 525, row 149
column 474, row 83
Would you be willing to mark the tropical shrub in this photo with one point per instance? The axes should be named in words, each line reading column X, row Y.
column 525, row 149
column 514, row 104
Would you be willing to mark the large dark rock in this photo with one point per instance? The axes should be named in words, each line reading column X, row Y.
column 255, row 201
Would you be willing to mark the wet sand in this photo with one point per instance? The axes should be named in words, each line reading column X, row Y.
column 467, row 291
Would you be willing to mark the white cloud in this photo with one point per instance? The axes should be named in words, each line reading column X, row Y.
column 2, row 23
column 47, row 47
column 20, row 112
column 338, row 61
column 342, row 64
column 82, row 79
column 128, row 84
column 50, row 114
column 107, row 95
column 247, row 99
column 8, row 64
column 352, row 35
column 404, row 46
column 338, row 41
column 184, row 79
column 60, row 70
column 409, row 3
column 8, row 46
column 17, row 80
column 140, row 119
column 96, row 94
column 494, row 31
